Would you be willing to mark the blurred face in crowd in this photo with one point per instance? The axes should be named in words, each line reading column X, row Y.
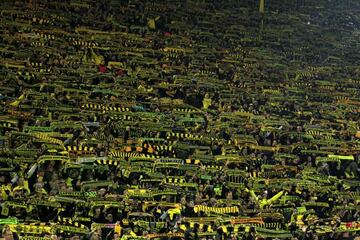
column 109, row 218
column 54, row 237
column 95, row 236
column 7, row 234
column 97, row 212
column 102, row 192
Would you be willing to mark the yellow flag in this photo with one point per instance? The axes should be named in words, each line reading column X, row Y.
column 117, row 229
column 17, row 101
column 206, row 101
column 151, row 23
column 262, row 6
column 357, row 135
column 97, row 59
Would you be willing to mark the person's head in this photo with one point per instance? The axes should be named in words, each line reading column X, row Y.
column 7, row 234
column 229, row 195
column 89, row 175
column 54, row 237
column 6, row 229
column 75, row 237
column 97, row 211
column 38, row 187
column 95, row 236
column 196, row 226
column 116, row 236
column 102, row 192
column 40, row 174
column 62, row 185
column 265, row 194
column 18, row 192
column 20, row 181
column 109, row 217
column 183, row 200
column 54, row 176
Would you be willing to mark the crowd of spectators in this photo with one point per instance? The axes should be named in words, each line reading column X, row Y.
column 192, row 119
